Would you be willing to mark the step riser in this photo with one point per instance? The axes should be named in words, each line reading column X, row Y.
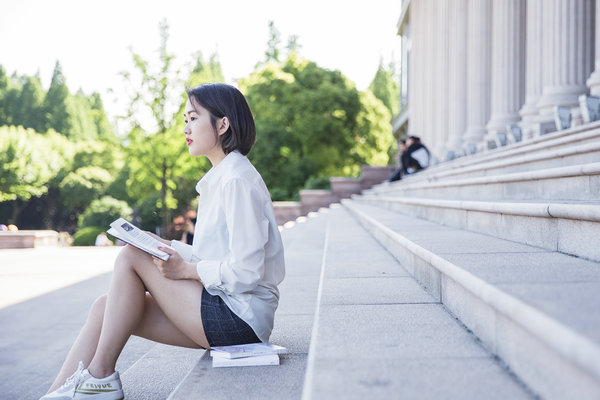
column 570, row 236
column 554, row 148
column 541, row 367
column 510, row 165
column 572, row 188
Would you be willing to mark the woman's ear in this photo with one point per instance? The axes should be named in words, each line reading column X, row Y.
column 222, row 125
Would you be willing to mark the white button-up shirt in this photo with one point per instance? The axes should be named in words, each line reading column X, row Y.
column 237, row 245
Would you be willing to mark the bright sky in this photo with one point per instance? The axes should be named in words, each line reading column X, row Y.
column 91, row 39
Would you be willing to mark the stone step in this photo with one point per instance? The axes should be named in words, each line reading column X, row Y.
column 571, row 228
column 379, row 335
column 558, row 150
column 572, row 183
column 538, row 311
column 303, row 243
column 158, row 372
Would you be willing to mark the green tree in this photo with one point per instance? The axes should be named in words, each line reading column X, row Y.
column 27, row 109
column 157, row 159
column 306, row 119
column 385, row 87
column 5, row 85
column 56, row 103
column 27, row 163
column 83, row 185
column 272, row 52
column 312, row 123
column 83, row 125
column 101, row 212
column 374, row 132
column 55, row 216
column 98, row 114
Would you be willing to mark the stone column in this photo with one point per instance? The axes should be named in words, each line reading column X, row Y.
column 533, row 66
column 567, row 54
column 457, row 81
column 479, row 21
column 508, row 66
column 440, row 94
column 415, row 70
column 594, row 82
column 429, row 74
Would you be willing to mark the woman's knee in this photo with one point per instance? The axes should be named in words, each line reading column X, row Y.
column 127, row 257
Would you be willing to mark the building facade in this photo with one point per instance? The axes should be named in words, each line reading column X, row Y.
column 477, row 74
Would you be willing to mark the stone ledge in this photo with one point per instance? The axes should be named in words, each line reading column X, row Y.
column 312, row 200
column 559, row 139
column 585, row 212
column 27, row 239
column 548, row 173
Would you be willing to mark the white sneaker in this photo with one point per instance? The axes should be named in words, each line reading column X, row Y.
column 82, row 385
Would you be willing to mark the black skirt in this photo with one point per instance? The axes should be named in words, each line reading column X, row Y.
column 222, row 326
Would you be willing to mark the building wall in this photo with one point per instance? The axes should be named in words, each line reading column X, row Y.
column 471, row 69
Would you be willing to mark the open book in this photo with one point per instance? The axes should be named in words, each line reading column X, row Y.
column 129, row 233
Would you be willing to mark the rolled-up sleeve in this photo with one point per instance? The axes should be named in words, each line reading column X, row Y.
column 248, row 229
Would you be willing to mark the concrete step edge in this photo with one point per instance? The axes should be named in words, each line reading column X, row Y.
column 589, row 169
column 563, row 138
column 511, row 161
column 560, row 338
column 310, row 362
column 584, row 212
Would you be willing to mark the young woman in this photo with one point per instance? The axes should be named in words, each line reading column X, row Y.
column 221, row 290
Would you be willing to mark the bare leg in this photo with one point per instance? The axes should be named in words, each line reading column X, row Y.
column 169, row 314
column 85, row 345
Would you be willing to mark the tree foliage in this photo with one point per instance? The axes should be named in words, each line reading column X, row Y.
column 158, row 160
column 101, row 212
column 385, row 87
column 28, row 161
column 312, row 122
column 24, row 102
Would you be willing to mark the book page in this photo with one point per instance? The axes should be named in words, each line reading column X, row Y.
column 131, row 234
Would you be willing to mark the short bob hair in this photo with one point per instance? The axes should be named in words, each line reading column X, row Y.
column 223, row 100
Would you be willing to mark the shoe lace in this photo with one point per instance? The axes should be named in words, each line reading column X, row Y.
column 73, row 379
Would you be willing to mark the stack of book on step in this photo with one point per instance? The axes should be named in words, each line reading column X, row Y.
column 246, row 355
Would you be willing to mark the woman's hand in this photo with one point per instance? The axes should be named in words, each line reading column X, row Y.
column 176, row 267
column 165, row 241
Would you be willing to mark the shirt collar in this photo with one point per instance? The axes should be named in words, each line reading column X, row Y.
column 215, row 173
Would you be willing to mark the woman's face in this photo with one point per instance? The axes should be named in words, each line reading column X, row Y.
column 200, row 135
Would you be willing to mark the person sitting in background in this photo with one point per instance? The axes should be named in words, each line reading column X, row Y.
column 397, row 175
column 190, row 224
column 103, row 240
column 416, row 156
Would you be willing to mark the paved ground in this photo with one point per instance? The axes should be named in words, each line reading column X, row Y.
column 44, row 298
column 29, row 273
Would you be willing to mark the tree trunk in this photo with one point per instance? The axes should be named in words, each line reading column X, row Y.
column 51, row 207
column 17, row 208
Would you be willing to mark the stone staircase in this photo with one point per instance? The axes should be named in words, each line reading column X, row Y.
column 478, row 278
column 509, row 243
